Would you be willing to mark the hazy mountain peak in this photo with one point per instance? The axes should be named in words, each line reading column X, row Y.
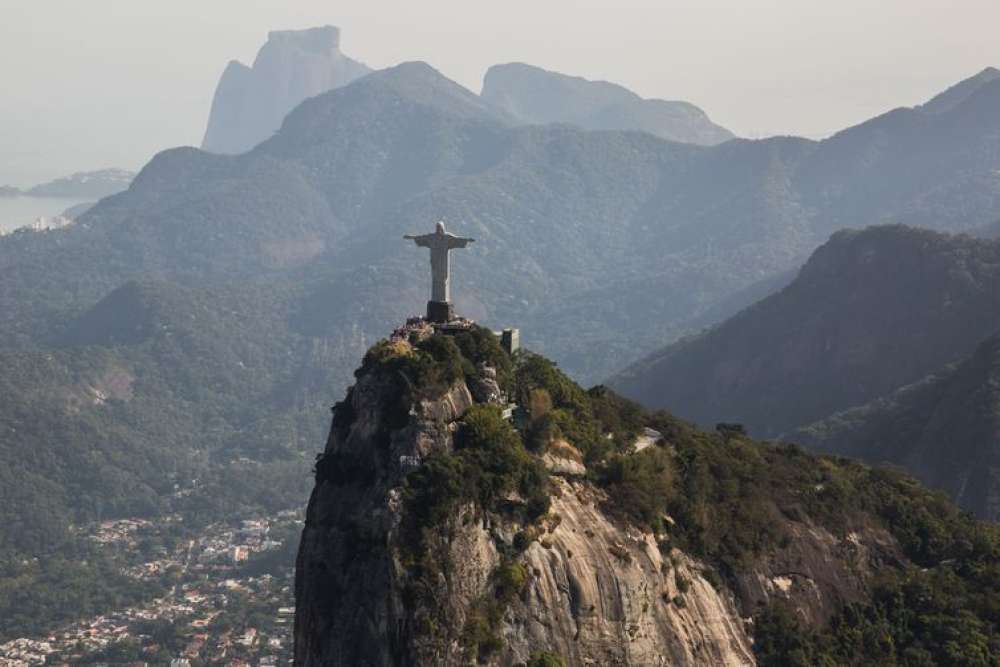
column 535, row 95
column 424, row 84
column 417, row 73
column 414, row 83
column 251, row 102
column 961, row 91
column 310, row 39
column 518, row 73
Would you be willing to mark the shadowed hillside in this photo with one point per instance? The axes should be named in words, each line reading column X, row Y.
column 943, row 429
column 874, row 319
column 870, row 311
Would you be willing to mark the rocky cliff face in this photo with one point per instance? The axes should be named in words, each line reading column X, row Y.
column 599, row 592
column 251, row 102
column 349, row 582
column 604, row 593
column 580, row 580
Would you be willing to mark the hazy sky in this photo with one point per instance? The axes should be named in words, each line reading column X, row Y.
column 94, row 83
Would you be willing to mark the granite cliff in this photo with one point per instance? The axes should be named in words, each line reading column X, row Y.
column 585, row 531
column 251, row 102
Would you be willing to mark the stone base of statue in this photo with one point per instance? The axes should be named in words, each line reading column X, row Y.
column 440, row 312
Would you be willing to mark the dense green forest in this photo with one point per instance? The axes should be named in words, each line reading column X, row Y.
column 144, row 396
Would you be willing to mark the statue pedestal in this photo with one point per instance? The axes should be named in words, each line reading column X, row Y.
column 440, row 312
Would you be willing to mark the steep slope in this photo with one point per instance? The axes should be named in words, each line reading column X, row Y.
column 250, row 102
column 870, row 311
column 438, row 534
column 535, row 95
column 943, row 430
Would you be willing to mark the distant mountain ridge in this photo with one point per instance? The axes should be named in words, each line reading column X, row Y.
column 535, row 95
column 82, row 184
column 650, row 232
column 250, row 102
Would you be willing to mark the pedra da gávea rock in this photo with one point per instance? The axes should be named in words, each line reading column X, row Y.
column 293, row 65
column 591, row 587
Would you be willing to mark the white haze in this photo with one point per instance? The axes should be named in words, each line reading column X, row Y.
column 98, row 83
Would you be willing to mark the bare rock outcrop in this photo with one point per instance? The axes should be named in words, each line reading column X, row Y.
column 605, row 594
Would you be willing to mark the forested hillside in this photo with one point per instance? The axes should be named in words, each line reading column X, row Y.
column 140, row 394
column 559, row 539
column 193, row 329
column 870, row 311
column 877, row 341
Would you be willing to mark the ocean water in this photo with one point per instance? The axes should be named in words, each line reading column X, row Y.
column 19, row 211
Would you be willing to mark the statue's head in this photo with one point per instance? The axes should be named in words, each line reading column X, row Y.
column 440, row 227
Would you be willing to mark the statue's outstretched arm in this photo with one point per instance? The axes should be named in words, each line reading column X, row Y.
column 459, row 242
column 423, row 240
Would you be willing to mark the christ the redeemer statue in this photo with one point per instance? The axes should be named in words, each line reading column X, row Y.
column 439, row 308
